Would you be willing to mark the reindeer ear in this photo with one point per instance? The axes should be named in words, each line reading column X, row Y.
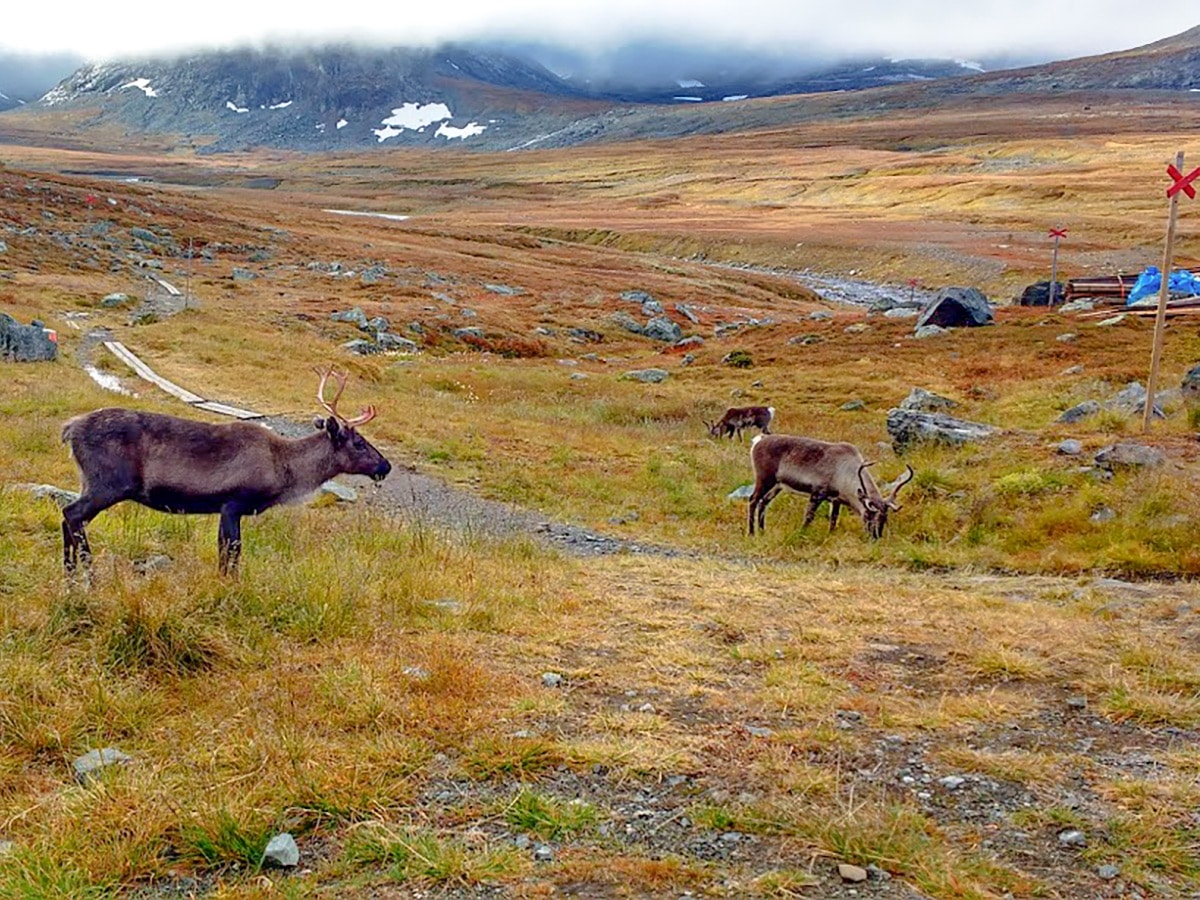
column 334, row 427
column 318, row 423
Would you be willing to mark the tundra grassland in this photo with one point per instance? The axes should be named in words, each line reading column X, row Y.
column 948, row 705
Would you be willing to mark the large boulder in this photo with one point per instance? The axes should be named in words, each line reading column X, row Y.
column 1038, row 294
column 1129, row 454
column 660, row 328
column 1190, row 386
column 910, row 426
column 25, row 343
column 957, row 307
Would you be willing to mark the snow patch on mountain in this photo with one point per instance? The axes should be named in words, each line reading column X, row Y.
column 143, row 85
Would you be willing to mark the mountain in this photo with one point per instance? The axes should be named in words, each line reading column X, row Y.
column 501, row 98
column 26, row 77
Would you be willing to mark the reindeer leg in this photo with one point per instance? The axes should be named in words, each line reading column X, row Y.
column 757, row 499
column 814, row 501
column 229, row 539
column 835, row 507
column 768, row 495
column 75, row 518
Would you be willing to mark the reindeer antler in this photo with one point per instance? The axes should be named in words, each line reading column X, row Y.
column 861, row 482
column 331, row 407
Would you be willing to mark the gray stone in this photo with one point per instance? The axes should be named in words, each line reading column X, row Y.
column 1190, row 386
column 552, row 679
column 377, row 323
column 1070, row 447
column 389, row 341
column 857, row 328
column 3, row 247
column 1111, row 320
column 853, row 405
column 468, row 332
column 1072, row 838
column 928, row 331
column 586, row 335
column 660, row 328
column 805, row 339
column 354, row 316
column 952, row 782
column 361, row 347
column 687, row 312
column 114, row 300
column 901, row 312
column 373, row 274
column 503, row 290
column 61, row 496
column 1079, row 412
column 820, row 315
column 646, row 376
column 342, row 492
column 626, row 321
column 1071, row 370
column 691, row 341
column 25, row 343
column 1078, row 306
column 1129, row 455
column 240, row 274
column 740, row 493
column 852, row 873
column 144, row 235
column 638, row 297
column 543, row 853
column 926, row 401
column 908, row 427
column 759, row 731
column 1069, row 338
column 89, row 766
column 652, row 308
column 281, row 851
column 957, row 307
column 1103, row 514
column 1131, row 400
column 1108, row 872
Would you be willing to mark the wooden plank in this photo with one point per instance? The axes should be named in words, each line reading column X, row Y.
column 123, row 353
column 225, row 409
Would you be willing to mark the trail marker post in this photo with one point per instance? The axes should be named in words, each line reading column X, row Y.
column 1058, row 234
column 1180, row 183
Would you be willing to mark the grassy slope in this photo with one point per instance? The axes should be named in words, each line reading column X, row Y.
column 339, row 706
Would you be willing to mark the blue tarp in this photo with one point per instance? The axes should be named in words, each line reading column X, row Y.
column 1149, row 283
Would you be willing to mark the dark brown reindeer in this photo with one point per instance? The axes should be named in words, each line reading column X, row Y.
column 182, row 466
column 824, row 471
column 738, row 417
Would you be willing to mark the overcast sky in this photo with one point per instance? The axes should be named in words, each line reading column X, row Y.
column 944, row 28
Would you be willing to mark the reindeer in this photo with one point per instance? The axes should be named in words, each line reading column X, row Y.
column 824, row 471
column 738, row 417
column 183, row 466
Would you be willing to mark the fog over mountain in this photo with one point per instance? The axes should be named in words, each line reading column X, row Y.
column 24, row 77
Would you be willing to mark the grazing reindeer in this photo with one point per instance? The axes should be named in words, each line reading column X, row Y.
column 824, row 471
column 183, row 466
column 738, row 417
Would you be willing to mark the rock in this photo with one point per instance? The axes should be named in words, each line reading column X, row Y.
column 144, row 235
column 1103, row 514
column 3, row 247
column 469, row 331
column 805, row 339
column 373, row 274
column 636, row 296
column 687, row 312
column 652, row 308
column 281, row 851
column 1077, row 702
column 354, row 316
column 25, row 343
column 1069, row 338
column 361, row 347
column 1129, row 454
column 660, row 328
column 852, row 873
column 1108, row 872
column 626, row 321
column 957, row 307
column 504, row 290
column 740, row 493
column 908, row 427
column 61, row 496
column 155, row 563
column 857, row 328
column 1079, row 412
column 952, row 782
column 853, row 405
column 688, row 359
column 89, row 766
column 1070, row 447
column 759, row 731
column 1072, row 838
column 820, row 315
column 393, row 342
column 646, row 376
column 901, row 312
column 378, row 323
column 1078, row 306
column 1131, row 400
column 1111, row 320
column 543, row 853
column 240, row 274
column 926, row 401
column 928, row 331
column 1190, row 386
column 552, row 679
column 342, row 492
column 1071, row 370
column 737, row 359
column 586, row 335
column 692, row 341
column 113, row 300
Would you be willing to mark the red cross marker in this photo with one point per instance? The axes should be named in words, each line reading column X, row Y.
column 1058, row 233
column 1182, row 182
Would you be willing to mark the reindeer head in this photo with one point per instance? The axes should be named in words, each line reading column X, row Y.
column 875, row 506
column 714, row 428
column 353, row 454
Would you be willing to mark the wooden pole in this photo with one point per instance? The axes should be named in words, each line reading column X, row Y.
column 1160, row 320
column 1053, row 273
